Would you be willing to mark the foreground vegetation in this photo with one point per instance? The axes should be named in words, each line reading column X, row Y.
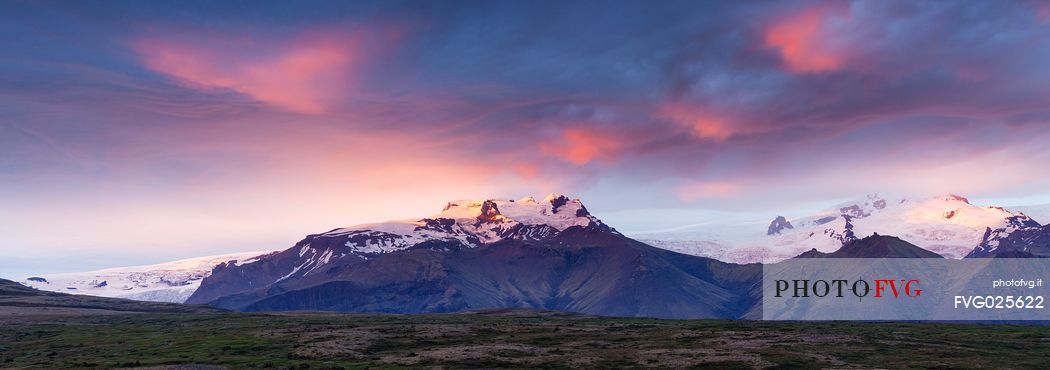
column 504, row 339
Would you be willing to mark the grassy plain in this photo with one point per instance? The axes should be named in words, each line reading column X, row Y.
column 515, row 339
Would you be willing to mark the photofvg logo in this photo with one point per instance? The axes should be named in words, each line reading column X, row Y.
column 841, row 288
column 905, row 289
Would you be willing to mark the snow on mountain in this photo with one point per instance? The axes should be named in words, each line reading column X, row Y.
column 948, row 225
column 471, row 222
column 461, row 225
column 485, row 254
column 466, row 222
column 165, row 282
column 778, row 225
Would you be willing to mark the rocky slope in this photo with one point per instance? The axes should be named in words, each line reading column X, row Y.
column 1027, row 240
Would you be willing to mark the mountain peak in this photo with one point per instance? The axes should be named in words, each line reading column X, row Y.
column 461, row 225
column 490, row 212
column 955, row 198
column 465, row 223
column 875, row 246
column 556, row 210
column 779, row 224
column 550, row 198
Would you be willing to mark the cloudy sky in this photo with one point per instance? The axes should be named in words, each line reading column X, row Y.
column 139, row 131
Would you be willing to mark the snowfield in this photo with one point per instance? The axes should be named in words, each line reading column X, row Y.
column 459, row 220
column 165, row 282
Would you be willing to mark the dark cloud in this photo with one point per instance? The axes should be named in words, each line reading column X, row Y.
column 684, row 90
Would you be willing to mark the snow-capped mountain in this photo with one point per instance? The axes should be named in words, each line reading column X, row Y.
column 462, row 224
column 1016, row 240
column 165, row 282
column 471, row 222
column 948, row 225
column 479, row 254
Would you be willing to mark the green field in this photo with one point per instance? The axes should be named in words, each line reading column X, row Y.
column 518, row 339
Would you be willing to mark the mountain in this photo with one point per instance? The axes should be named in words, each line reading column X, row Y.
column 17, row 299
column 947, row 225
column 549, row 254
column 875, row 246
column 779, row 224
column 1022, row 240
column 461, row 224
column 166, row 282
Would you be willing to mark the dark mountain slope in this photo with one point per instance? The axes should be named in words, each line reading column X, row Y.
column 1031, row 240
column 228, row 279
column 477, row 254
column 875, row 246
column 461, row 224
column 582, row 269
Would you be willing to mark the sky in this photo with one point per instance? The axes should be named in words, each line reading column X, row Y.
column 139, row 131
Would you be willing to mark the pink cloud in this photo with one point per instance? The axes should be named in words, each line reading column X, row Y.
column 700, row 190
column 1042, row 11
column 804, row 42
column 702, row 124
column 306, row 74
column 581, row 146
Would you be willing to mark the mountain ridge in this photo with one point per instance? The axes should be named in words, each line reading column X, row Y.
column 949, row 225
column 551, row 254
column 875, row 246
column 460, row 224
column 467, row 224
column 581, row 270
